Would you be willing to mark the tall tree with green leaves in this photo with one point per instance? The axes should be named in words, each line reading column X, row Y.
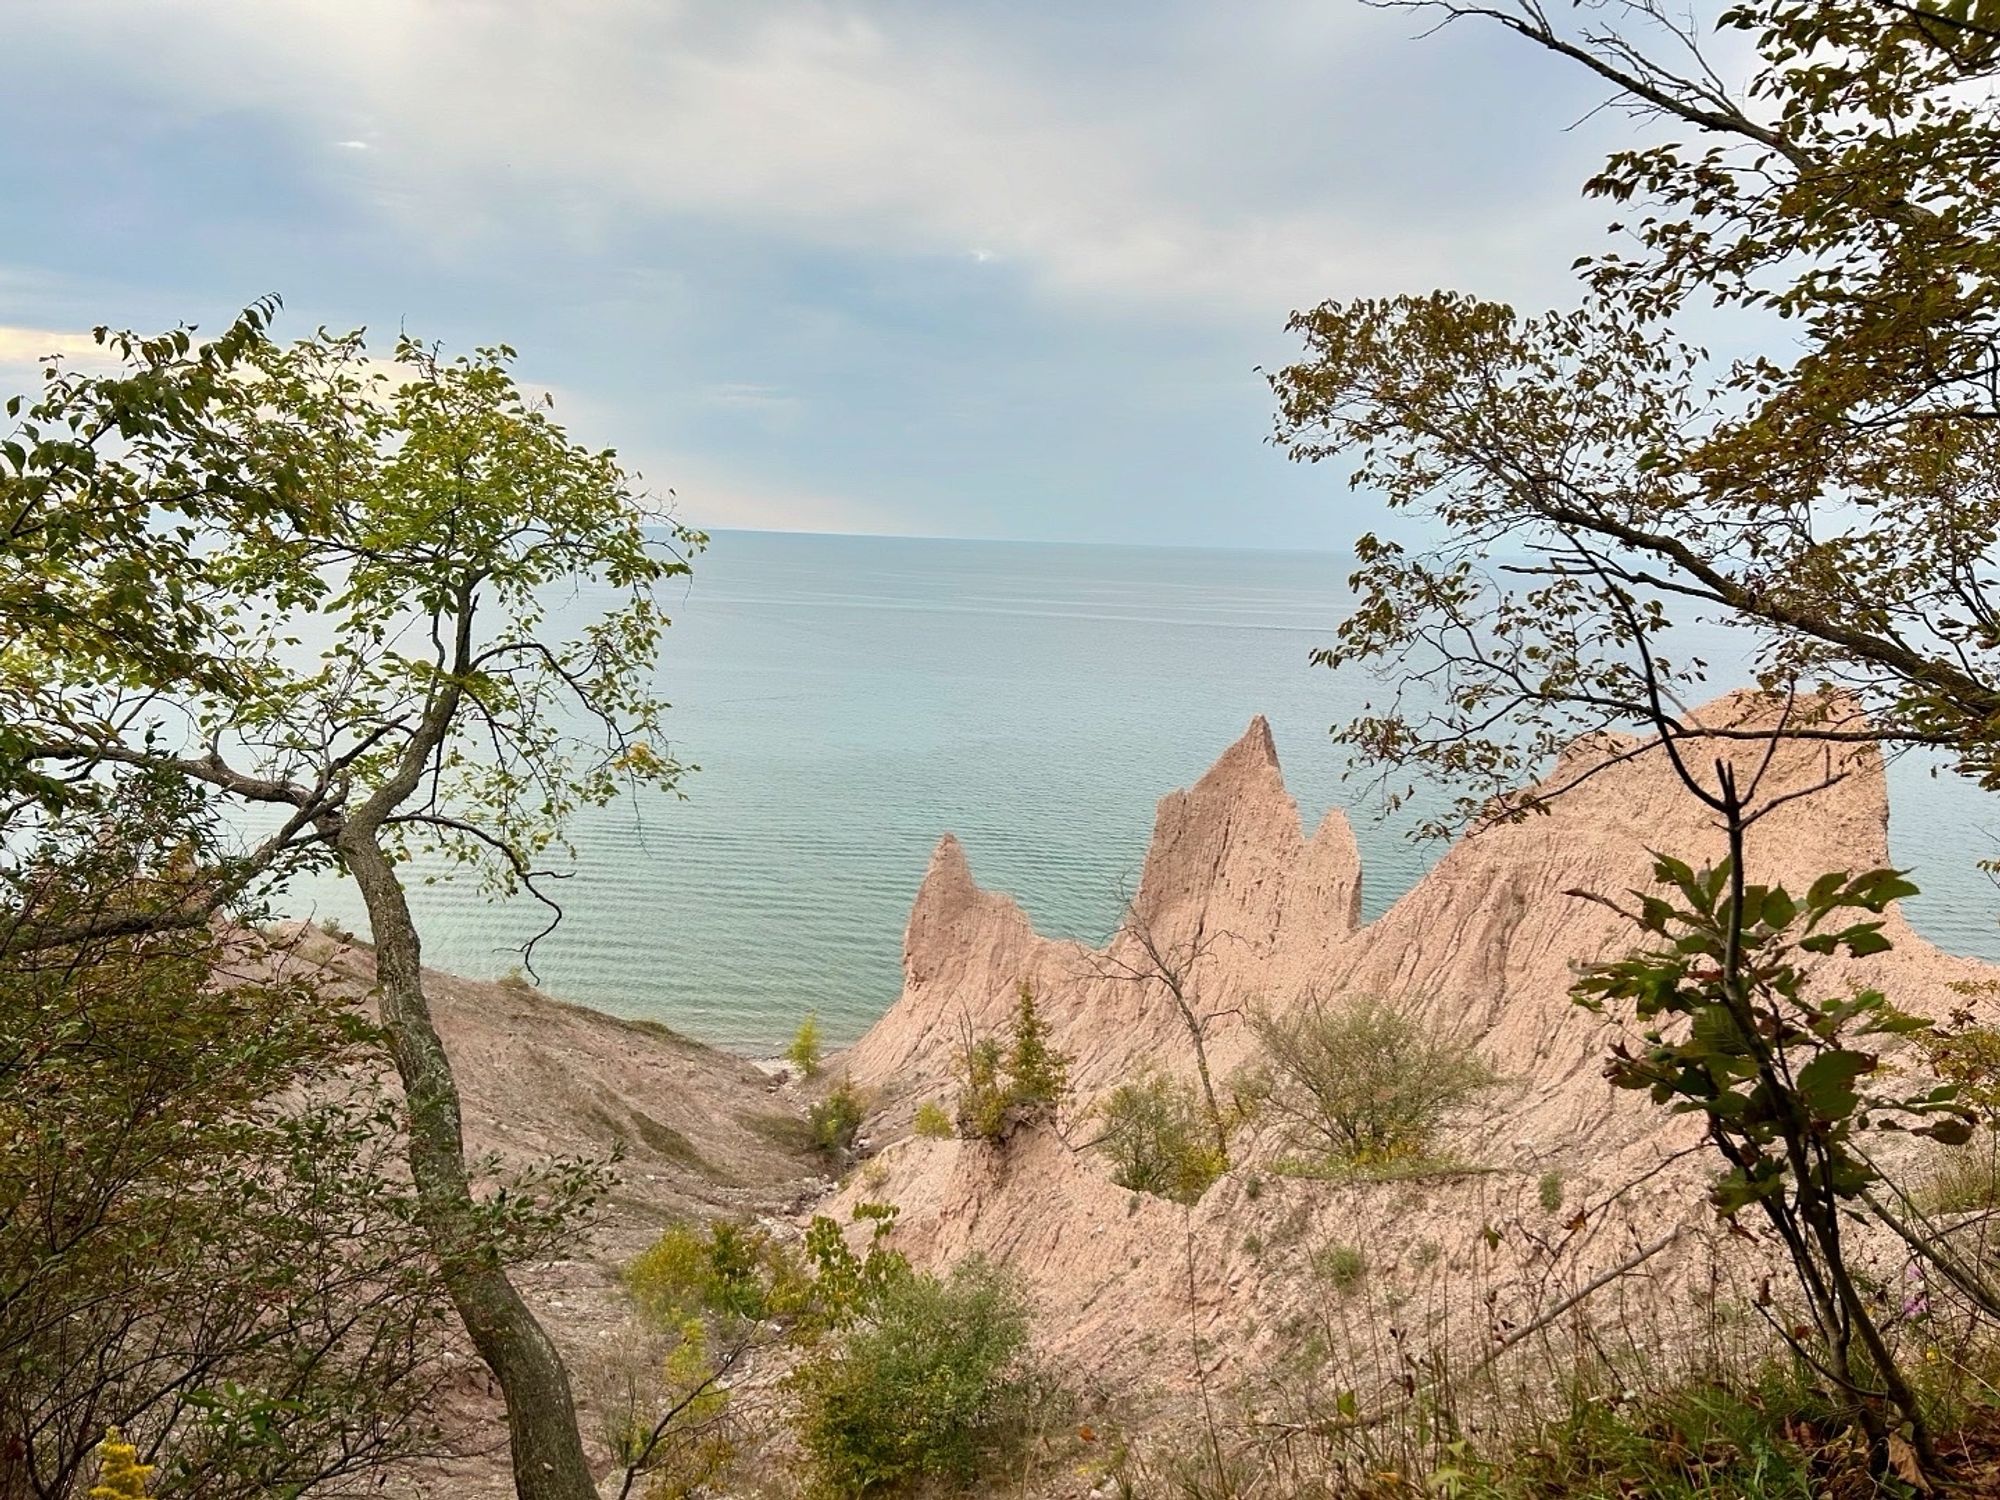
column 319, row 587
column 1829, row 209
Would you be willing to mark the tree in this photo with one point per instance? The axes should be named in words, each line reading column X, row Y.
column 1140, row 954
column 1158, row 1139
column 353, row 570
column 1001, row 1085
column 1595, row 475
column 205, row 1242
column 804, row 1051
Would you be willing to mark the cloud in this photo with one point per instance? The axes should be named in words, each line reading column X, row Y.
column 30, row 346
column 1194, row 183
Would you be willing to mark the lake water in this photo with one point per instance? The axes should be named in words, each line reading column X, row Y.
column 849, row 699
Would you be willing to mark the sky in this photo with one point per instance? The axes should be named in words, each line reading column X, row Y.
column 925, row 267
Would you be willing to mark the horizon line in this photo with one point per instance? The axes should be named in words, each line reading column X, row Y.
column 1006, row 541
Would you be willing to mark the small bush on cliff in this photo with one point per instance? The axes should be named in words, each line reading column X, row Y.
column 1341, row 1266
column 982, row 1096
column 932, row 1383
column 712, row 1300
column 804, row 1053
column 932, row 1123
column 836, row 1119
column 1158, row 1138
column 1026, row 1078
column 1550, row 1191
column 1359, row 1082
column 720, row 1270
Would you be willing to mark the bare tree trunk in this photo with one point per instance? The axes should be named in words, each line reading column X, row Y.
column 1173, row 970
column 541, row 1413
column 1195, row 1035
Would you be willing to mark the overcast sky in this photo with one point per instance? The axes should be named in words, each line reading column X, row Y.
column 979, row 268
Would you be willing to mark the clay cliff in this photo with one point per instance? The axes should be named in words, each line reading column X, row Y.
column 1484, row 946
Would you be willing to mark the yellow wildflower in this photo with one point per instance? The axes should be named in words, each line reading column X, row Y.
column 120, row 1476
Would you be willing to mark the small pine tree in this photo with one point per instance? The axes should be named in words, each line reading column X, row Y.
column 1027, row 1078
column 983, row 1101
column 120, row 1475
column 805, row 1049
column 932, row 1122
column 1039, row 1073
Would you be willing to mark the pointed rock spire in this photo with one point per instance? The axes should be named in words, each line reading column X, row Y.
column 1222, row 847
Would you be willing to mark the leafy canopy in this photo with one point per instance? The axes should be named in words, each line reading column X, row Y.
column 1596, row 475
column 328, row 587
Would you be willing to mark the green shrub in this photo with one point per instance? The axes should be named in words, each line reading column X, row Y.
column 1025, row 1079
column 1340, row 1266
column 720, row 1270
column 1360, row 1083
column 804, row 1052
column 1550, row 1191
column 846, row 1285
column 836, row 1119
column 932, row 1383
column 932, row 1123
column 1158, row 1139
column 1039, row 1073
column 711, row 1298
column 983, row 1097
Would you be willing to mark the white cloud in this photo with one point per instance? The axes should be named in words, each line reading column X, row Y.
column 30, row 346
column 850, row 126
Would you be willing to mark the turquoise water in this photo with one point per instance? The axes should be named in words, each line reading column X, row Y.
column 849, row 699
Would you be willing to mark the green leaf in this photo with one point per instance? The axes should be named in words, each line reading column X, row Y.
column 1715, row 1031
column 1865, row 939
column 1779, row 909
column 1826, row 1084
column 1878, row 888
column 1670, row 871
column 1951, row 1130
